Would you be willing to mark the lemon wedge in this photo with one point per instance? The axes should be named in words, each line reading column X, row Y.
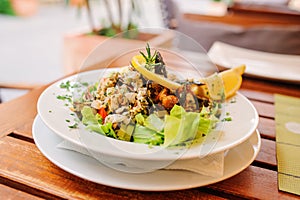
column 223, row 84
column 232, row 80
column 239, row 69
column 139, row 62
column 219, row 85
column 213, row 87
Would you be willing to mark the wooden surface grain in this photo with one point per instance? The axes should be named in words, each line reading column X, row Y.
column 248, row 14
column 254, row 183
column 25, row 166
column 15, row 194
column 18, row 114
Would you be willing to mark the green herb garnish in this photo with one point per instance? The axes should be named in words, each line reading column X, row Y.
column 85, row 84
column 227, row 119
column 65, row 97
column 74, row 125
column 65, row 85
column 150, row 59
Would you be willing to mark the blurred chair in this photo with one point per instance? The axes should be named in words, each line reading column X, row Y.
column 274, row 38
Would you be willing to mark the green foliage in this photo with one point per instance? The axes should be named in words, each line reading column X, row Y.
column 110, row 26
column 6, row 7
column 109, row 32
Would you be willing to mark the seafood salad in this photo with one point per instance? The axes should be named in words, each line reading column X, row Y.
column 143, row 103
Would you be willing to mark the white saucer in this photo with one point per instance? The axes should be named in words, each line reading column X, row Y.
column 236, row 160
column 280, row 67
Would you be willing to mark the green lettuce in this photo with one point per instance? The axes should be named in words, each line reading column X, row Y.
column 140, row 119
column 178, row 128
column 146, row 135
column 148, row 130
column 93, row 122
column 154, row 122
column 181, row 126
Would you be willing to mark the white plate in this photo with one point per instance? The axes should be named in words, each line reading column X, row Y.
column 274, row 66
column 236, row 160
column 54, row 114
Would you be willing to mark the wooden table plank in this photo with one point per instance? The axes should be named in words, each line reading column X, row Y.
column 264, row 109
column 19, row 113
column 254, row 9
column 244, row 20
column 266, row 128
column 62, row 184
column 22, row 163
column 272, row 87
column 14, row 194
column 254, row 183
column 258, row 96
column 267, row 153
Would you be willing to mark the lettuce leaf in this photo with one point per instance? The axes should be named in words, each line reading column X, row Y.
column 154, row 122
column 179, row 130
column 177, row 111
column 145, row 135
column 88, row 116
column 140, row 119
column 205, row 126
column 182, row 126
column 93, row 122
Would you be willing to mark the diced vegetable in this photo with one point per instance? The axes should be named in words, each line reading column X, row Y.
column 93, row 122
column 125, row 132
column 102, row 113
column 140, row 119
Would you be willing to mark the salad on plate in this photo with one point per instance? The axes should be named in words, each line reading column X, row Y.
column 146, row 103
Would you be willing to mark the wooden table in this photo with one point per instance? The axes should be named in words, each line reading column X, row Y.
column 26, row 174
column 248, row 15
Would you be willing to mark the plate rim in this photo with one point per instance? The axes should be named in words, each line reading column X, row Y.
column 256, row 148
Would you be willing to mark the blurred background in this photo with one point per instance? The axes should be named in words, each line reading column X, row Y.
column 34, row 33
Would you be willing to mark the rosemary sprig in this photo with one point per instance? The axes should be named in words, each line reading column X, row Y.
column 150, row 59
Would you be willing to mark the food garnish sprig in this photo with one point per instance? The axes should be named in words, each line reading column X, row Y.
column 217, row 86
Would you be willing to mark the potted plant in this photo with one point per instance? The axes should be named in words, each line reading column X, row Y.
column 122, row 23
column 18, row 7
